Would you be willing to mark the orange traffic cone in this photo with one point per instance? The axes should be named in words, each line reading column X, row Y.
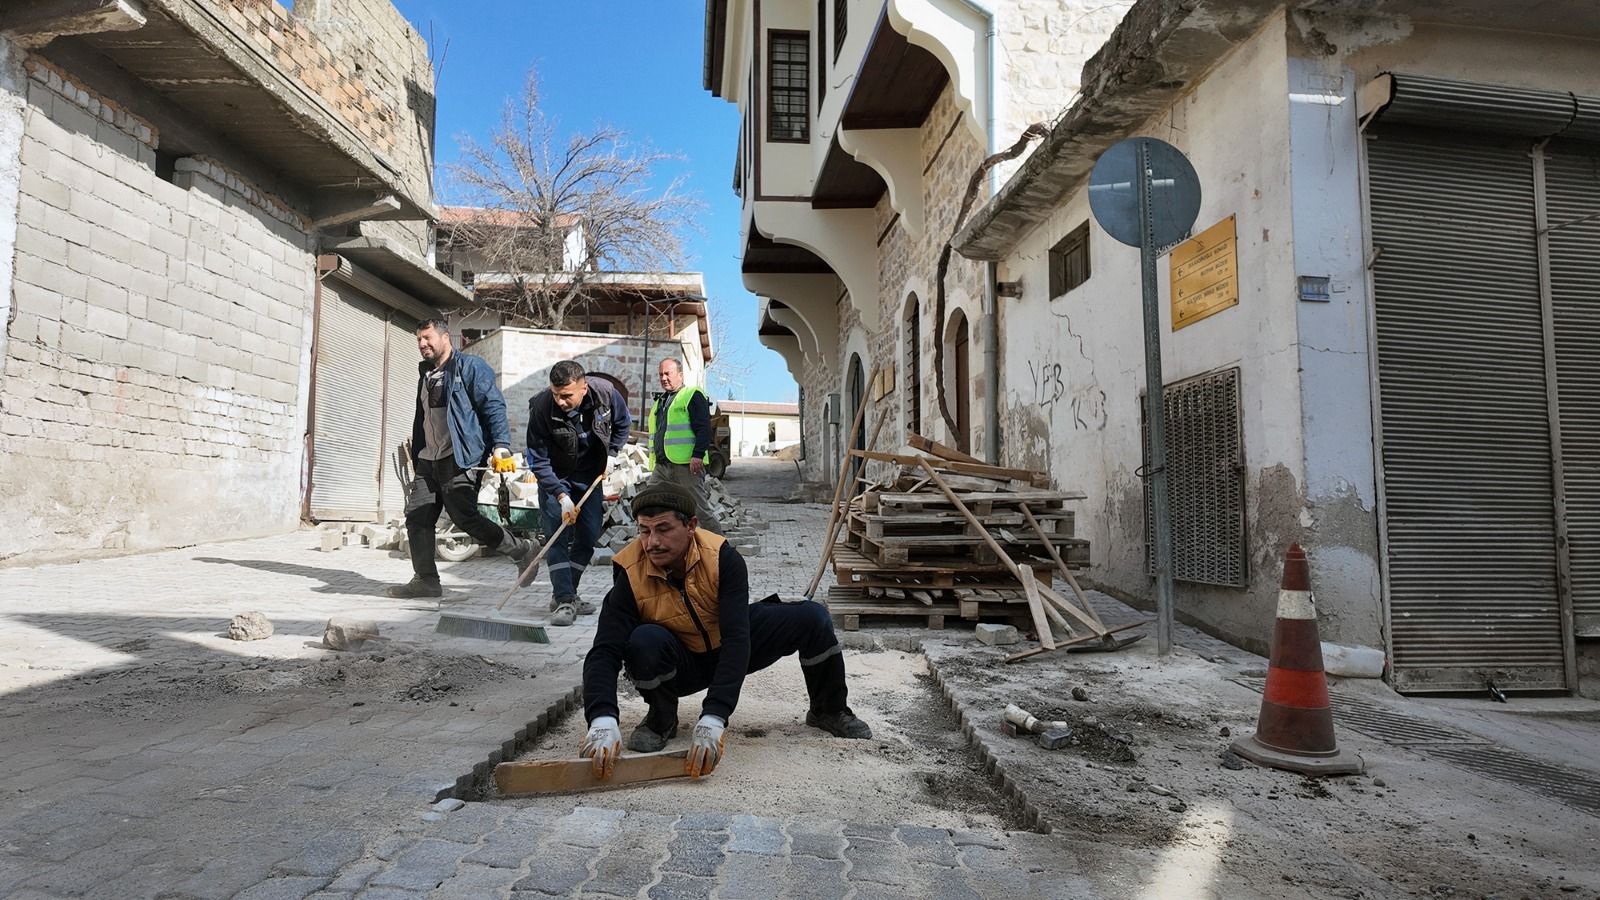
column 1295, row 729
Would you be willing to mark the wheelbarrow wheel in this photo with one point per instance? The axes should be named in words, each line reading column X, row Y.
column 456, row 548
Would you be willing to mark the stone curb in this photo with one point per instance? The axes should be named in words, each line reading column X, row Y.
column 992, row 766
column 475, row 785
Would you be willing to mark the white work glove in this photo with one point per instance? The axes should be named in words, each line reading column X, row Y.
column 603, row 744
column 705, row 748
column 569, row 510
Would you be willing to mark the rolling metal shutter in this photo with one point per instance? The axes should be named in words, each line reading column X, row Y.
column 1572, row 190
column 401, row 335
column 350, row 391
column 1466, row 433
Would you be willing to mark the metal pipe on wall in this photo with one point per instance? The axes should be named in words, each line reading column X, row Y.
column 991, row 364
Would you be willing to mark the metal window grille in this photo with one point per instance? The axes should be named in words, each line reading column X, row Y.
column 841, row 19
column 913, row 369
column 822, row 53
column 789, row 80
column 1069, row 261
column 1205, row 481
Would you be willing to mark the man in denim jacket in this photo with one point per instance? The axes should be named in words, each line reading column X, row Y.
column 575, row 426
column 460, row 423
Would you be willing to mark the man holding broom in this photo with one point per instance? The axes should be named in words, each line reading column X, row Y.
column 679, row 617
column 575, row 427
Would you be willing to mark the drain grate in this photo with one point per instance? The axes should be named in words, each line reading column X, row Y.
column 1576, row 789
column 1375, row 720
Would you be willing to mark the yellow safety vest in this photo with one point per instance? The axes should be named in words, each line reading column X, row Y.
column 678, row 439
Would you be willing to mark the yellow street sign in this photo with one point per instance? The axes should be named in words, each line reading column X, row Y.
column 1205, row 274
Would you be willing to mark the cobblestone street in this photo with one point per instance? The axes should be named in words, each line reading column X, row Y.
column 150, row 756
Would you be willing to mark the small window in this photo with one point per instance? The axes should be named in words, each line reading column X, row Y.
column 841, row 18
column 467, row 276
column 772, row 432
column 913, row 334
column 822, row 52
column 1069, row 261
column 789, row 86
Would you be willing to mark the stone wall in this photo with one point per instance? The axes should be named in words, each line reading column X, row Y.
column 909, row 264
column 156, row 364
column 523, row 356
column 13, row 104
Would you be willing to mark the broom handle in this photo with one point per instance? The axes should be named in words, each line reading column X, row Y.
column 545, row 549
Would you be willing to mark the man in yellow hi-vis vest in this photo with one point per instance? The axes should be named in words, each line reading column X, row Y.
column 680, row 439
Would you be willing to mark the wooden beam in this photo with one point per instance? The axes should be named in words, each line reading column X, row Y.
column 940, row 450
column 834, row 517
column 1029, row 584
column 1061, row 566
column 561, row 776
column 979, row 470
column 1025, row 654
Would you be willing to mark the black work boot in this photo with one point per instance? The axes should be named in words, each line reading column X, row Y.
column 521, row 551
column 416, row 587
column 841, row 724
column 659, row 726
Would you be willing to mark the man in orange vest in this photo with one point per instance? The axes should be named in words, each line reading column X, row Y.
column 679, row 617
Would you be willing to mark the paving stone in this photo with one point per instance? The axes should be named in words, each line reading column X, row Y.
column 471, row 882
column 749, row 876
column 704, row 822
column 676, row 886
column 558, row 871
column 391, row 893
column 695, row 853
column 869, row 832
column 975, row 839
column 355, row 876
column 753, row 835
column 394, row 845
column 622, row 873
column 292, row 887
column 586, row 826
column 325, row 854
column 821, row 846
column 929, row 845
column 805, row 878
column 422, row 867
column 880, row 861
column 501, row 855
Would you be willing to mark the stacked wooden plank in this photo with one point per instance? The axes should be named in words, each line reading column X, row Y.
column 907, row 548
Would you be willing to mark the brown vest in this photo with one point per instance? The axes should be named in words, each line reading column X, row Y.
column 662, row 604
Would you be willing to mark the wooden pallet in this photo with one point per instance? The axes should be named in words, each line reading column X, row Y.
column 851, row 568
column 879, row 526
column 849, row 604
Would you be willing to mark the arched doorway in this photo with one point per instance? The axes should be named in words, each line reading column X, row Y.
column 958, row 381
column 856, row 391
column 615, row 383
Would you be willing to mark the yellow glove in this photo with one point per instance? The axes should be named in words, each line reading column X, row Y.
column 503, row 460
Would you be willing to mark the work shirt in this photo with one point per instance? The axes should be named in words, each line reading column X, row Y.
column 433, row 396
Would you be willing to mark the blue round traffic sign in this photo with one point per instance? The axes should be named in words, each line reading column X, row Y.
column 1174, row 191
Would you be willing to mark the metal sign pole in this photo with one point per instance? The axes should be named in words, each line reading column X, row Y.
column 1155, row 403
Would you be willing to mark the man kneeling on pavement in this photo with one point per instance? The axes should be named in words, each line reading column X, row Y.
column 679, row 617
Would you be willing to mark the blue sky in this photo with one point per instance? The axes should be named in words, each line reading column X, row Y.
column 634, row 64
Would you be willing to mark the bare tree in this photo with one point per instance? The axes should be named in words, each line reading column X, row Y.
column 555, row 211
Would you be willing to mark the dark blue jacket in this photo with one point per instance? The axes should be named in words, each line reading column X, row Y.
column 553, row 443
column 477, row 410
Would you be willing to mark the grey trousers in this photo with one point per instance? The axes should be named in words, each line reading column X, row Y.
column 668, row 471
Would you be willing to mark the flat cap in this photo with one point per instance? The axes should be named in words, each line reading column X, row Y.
column 658, row 495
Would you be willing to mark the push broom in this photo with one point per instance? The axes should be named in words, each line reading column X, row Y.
column 501, row 628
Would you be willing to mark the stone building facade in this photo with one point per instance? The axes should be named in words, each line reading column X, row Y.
column 843, row 231
column 165, row 283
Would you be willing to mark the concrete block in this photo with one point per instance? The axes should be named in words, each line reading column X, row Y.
column 330, row 540
column 996, row 635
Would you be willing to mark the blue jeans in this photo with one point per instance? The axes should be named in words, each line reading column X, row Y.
column 571, row 552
